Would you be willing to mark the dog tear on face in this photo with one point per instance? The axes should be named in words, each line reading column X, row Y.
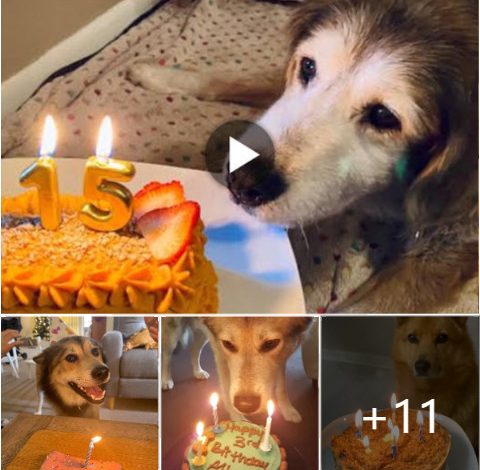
column 329, row 156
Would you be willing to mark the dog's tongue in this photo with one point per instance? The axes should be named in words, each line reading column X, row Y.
column 95, row 392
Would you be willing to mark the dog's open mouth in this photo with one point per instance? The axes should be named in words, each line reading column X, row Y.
column 94, row 394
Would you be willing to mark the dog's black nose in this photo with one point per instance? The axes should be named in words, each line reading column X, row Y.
column 247, row 404
column 422, row 367
column 100, row 372
column 256, row 183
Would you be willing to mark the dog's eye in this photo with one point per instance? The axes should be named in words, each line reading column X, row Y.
column 412, row 338
column 381, row 118
column 229, row 346
column 95, row 352
column 441, row 338
column 269, row 345
column 71, row 357
column 308, row 70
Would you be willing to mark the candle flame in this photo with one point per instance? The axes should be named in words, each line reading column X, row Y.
column 49, row 137
column 366, row 442
column 199, row 429
column 96, row 439
column 105, row 138
column 420, row 418
column 358, row 418
column 393, row 401
column 214, row 399
column 270, row 408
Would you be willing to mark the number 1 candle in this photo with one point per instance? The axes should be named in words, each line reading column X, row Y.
column 42, row 174
column 108, row 204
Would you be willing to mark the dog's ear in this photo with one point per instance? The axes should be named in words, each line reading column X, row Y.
column 461, row 322
column 40, row 359
column 447, row 186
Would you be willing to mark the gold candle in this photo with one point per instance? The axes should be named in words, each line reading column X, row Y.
column 199, row 459
column 42, row 174
column 108, row 204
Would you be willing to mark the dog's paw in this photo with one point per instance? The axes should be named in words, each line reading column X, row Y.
column 291, row 414
column 201, row 374
column 141, row 73
column 167, row 384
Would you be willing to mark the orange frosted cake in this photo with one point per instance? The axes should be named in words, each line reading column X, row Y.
column 155, row 264
column 58, row 461
column 413, row 452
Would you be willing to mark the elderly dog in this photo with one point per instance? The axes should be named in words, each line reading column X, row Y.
column 72, row 374
column 377, row 111
column 434, row 358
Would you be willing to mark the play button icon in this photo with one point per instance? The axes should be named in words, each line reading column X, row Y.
column 238, row 146
column 239, row 154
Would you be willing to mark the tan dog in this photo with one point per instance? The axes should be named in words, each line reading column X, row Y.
column 251, row 355
column 434, row 358
column 72, row 374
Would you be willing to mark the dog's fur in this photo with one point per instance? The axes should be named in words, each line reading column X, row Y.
column 66, row 366
column 250, row 354
column 428, row 365
column 174, row 332
column 418, row 58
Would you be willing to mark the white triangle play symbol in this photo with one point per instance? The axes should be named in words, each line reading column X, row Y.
column 239, row 154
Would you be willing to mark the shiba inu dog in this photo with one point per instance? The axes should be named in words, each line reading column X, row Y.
column 72, row 374
column 251, row 355
column 434, row 358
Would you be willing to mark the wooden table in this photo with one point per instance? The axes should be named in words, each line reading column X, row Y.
column 17, row 433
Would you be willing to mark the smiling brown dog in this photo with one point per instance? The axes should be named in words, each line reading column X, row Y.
column 434, row 358
column 72, row 374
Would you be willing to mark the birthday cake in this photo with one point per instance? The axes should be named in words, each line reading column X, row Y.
column 237, row 447
column 154, row 264
column 58, row 461
column 414, row 451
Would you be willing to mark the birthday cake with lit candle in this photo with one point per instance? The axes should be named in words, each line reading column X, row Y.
column 237, row 447
column 388, row 448
column 104, row 251
column 58, row 461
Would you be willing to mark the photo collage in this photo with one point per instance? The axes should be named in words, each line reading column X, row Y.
column 240, row 235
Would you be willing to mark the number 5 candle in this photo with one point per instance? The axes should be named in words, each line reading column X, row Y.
column 43, row 175
column 108, row 204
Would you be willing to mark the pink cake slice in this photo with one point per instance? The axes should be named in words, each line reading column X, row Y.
column 58, row 461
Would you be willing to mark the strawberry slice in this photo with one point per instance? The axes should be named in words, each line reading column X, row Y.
column 168, row 231
column 157, row 195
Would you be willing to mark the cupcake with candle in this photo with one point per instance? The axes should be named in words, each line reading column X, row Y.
column 104, row 251
column 387, row 447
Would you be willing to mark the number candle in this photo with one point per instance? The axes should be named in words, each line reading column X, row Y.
column 217, row 429
column 421, row 436
column 366, row 444
column 93, row 441
column 359, row 423
column 43, row 175
column 393, row 405
column 109, row 204
column 265, row 443
column 395, row 437
column 199, row 459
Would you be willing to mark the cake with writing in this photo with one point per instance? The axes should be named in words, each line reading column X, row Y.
column 415, row 450
column 155, row 264
column 58, row 461
column 236, row 448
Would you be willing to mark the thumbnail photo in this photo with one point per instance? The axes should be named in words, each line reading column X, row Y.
column 400, row 393
column 240, row 393
column 79, row 392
